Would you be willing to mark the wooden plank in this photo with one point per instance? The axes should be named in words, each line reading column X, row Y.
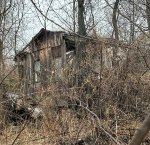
column 63, row 50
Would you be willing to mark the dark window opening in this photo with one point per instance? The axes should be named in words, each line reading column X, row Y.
column 70, row 45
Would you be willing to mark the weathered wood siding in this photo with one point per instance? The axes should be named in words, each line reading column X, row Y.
column 45, row 48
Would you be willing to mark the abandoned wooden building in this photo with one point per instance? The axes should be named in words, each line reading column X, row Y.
column 47, row 50
column 46, row 54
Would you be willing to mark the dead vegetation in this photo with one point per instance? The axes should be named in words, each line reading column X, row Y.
column 105, row 108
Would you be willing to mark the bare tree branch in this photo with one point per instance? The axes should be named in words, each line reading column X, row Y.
column 46, row 16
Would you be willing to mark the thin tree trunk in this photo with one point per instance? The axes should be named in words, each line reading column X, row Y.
column 81, row 28
column 141, row 132
column 115, row 29
column 114, row 20
column 81, row 24
column 74, row 14
column 93, row 20
column 148, row 13
column 1, row 55
column 80, row 42
column 1, row 47
column 2, row 16
column 132, row 27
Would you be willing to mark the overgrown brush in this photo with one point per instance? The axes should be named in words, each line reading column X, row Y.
column 99, row 104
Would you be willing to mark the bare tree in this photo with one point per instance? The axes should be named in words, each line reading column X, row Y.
column 148, row 13
column 114, row 19
column 4, row 8
column 81, row 24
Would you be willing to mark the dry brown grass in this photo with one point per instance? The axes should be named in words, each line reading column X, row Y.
column 120, row 98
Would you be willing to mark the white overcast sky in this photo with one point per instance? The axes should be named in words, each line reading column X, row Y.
column 61, row 12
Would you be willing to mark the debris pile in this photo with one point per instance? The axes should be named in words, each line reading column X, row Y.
column 17, row 112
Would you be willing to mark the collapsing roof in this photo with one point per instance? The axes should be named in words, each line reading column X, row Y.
column 69, row 41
